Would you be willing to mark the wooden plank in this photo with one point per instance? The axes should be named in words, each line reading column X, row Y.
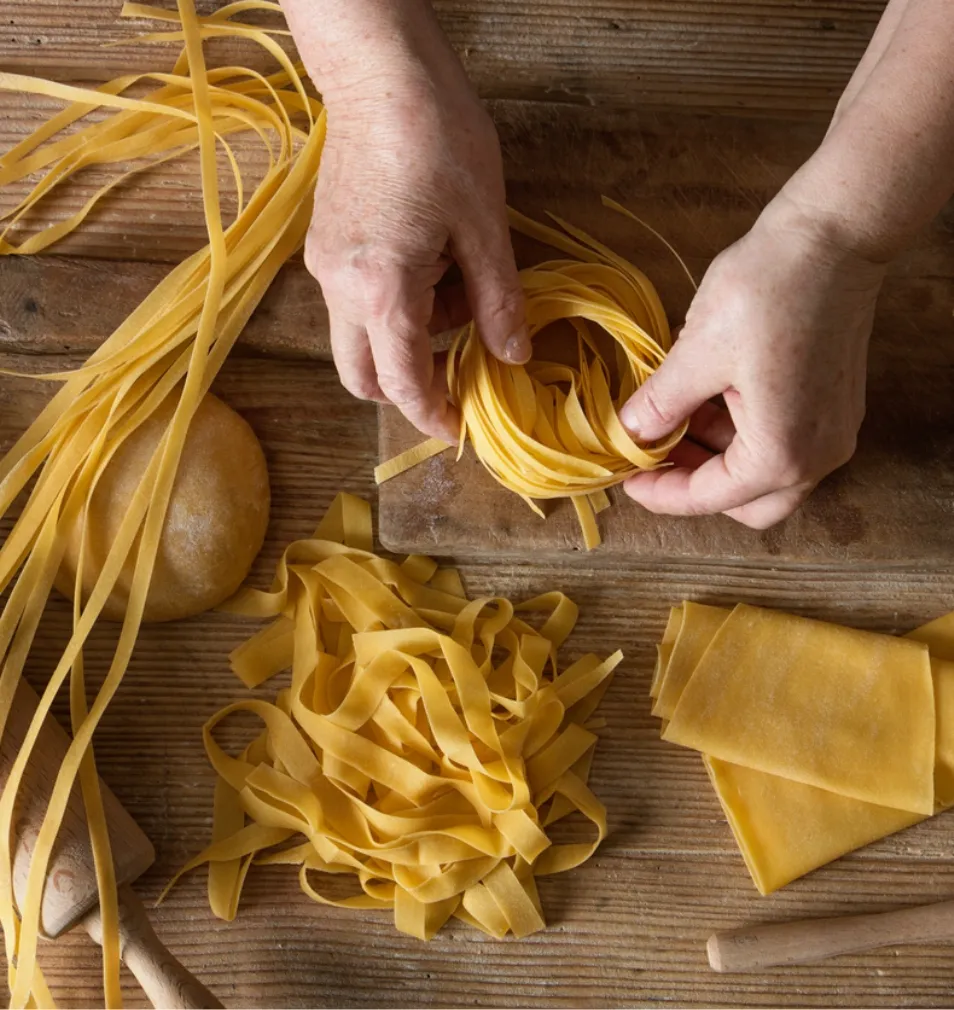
column 701, row 183
column 158, row 219
column 68, row 305
column 765, row 55
column 604, row 950
column 156, row 215
column 629, row 927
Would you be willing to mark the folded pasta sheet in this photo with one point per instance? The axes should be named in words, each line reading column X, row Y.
column 818, row 739
column 426, row 745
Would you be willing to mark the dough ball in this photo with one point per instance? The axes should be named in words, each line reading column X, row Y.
column 214, row 527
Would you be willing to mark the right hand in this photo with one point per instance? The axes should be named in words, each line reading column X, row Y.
column 411, row 180
column 779, row 328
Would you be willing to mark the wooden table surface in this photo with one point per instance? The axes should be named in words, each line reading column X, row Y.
column 629, row 927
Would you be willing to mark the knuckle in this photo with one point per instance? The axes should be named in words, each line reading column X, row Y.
column 400, row 322
column 782, row 458
column 402, row 390
column 352, row 274
column 314, row 259
column 502, row 310
column 654, row 411
column 765, row 514
column 697, row 508
column 360, row 261
column 362, row 386
column 797, row 465
column 791, row 466
column 327, row 269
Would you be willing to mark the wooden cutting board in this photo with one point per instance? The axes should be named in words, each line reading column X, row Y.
column 701, row 182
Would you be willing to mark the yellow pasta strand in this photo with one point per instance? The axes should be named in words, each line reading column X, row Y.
column 175, row 342
column 426, row 745
column 550, row 429
column 330, row 593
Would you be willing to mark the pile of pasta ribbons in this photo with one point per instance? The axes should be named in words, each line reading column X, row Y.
column 173, row 343
column 549, row 429
column 425, row 746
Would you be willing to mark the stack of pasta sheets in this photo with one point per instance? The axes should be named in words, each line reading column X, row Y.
column 818, row 739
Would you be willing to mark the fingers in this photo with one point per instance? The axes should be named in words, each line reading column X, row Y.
column 493, row 288
column 772, row 508
column 401, row 350
column 680, row 386
column 724, row 482
column 352, row 354
column 761, row 513
column 388, row 358
column 713, row 469
column 689, row 455
column 712, row 426
column 701, row 473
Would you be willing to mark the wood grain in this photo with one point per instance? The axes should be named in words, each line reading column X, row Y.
column 702, row 182
column 711, row 173
column 627, row 929
column 723, row 55
column 155, row 216
column 66, row 305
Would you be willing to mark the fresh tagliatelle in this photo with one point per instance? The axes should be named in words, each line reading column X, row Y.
column 173, row 344
column 550, row 429
column 425, row 747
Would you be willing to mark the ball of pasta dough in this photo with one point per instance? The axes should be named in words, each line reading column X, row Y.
column 214, row 527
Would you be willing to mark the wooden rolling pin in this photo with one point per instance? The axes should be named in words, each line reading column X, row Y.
column 70, row 897
column 756, row 947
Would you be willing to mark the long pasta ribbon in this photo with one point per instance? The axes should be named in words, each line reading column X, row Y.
column 175, row 342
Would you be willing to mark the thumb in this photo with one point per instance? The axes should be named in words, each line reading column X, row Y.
column 675, row 391
column 494, row 292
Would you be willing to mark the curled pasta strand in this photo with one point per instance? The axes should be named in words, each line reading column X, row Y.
column 427, row 758
column 549, row 429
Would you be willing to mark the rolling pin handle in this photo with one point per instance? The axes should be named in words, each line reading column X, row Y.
column 758, row 947
column 166, row 983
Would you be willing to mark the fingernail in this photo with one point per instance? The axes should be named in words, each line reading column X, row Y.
column 517, row 350
column 629, row 420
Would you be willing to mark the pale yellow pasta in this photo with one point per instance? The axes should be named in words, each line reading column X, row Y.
column 175, row 341
column 833, row 706
column 425, row 746
column 550, row 429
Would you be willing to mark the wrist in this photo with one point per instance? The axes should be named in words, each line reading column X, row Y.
column 839, row 231
column 820, row 240
column 875, row 180
column 372, row 49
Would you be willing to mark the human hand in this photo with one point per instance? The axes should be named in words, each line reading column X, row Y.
column 779, row 327
column 411, row 180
